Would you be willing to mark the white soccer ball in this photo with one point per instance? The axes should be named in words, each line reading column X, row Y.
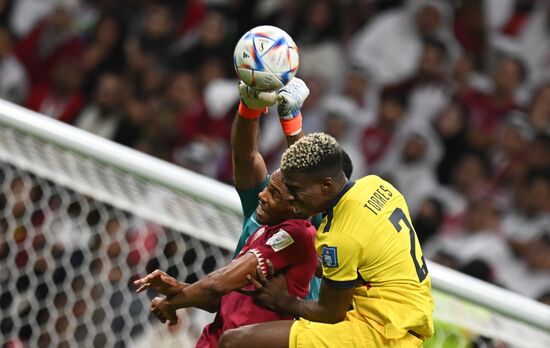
column 266, row 58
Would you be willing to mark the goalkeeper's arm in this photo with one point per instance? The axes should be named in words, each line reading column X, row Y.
column 249, row 167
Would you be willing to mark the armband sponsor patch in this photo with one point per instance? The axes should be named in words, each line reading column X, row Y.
column 329, row 257
column 279, row 240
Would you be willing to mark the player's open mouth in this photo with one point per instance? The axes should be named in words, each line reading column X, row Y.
column 260, row 210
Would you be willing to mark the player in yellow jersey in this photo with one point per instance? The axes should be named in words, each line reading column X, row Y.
column 376, row 286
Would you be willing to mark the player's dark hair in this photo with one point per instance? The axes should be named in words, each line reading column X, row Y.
column 347, row 165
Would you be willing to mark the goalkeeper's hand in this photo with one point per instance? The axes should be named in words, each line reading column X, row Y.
column 254, row 99
column 291, row 98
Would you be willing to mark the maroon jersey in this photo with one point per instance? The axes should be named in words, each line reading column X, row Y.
column 290, row 247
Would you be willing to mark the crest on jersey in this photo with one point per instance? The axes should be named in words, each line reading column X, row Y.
column 279, row 240
column 329, row 256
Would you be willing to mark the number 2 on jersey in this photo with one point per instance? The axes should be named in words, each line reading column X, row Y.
column 397, row 216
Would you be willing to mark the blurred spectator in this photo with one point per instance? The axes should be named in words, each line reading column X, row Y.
column 479, row 235
column 428, row 219
column 104, row 113
column 343, row 123
column 470, row 182
column 538, row 152
column 451, row 126
column 530, row 219
column 5, row 12
column 410, row 162
column 26, row 13
column 487, row 109
column 50, row 42
column 524, row 31
column 391, row 44
column 104, row 52
column 470, row 30
column 377, row 137
column 509, row 152
column 539, row 110
column 104, row 116
column 318, row 31
column 156, row 32
column 209, row 42
column 528, row 234
column 427, row 88
column 465, row 78
column 13, row 79
column 60, row 99
column 184, row 120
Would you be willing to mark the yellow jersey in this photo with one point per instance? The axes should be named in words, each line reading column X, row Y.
column 367, row 241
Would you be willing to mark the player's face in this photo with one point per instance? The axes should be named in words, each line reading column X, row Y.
column 308, row 194
column 274, row 204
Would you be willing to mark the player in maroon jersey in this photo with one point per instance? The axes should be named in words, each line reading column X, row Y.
column 290, row 247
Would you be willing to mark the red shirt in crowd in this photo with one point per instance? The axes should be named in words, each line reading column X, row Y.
column 484, row 112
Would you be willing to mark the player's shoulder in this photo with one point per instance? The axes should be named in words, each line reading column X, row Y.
column 374, row 182
column 291, row 232
column 371, row 179
column 297, row 229
column 296, row 226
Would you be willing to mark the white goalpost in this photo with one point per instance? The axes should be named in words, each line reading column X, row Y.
column 82, row 217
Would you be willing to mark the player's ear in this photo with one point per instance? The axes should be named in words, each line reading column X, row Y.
column 326, row 184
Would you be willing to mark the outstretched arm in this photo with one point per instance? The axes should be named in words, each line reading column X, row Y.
column 249, row 168
column 211, row 288
column 207, row 292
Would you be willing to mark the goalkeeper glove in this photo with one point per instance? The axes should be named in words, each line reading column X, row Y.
column 291, row 98
column 253, row 102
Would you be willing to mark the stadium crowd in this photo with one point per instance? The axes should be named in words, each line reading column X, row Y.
column 449, row 100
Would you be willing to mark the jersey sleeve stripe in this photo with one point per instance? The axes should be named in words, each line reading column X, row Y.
column 330, row 213
column 348, row 284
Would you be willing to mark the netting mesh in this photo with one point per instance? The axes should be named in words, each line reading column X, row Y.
column 68, row 261
column 74, row 234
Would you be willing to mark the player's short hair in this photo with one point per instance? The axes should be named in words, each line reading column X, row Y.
column 347, row 165
column 314, row 153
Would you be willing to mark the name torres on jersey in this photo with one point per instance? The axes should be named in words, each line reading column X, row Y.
column 378, row 199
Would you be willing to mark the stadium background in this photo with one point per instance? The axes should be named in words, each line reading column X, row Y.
column 448, row 99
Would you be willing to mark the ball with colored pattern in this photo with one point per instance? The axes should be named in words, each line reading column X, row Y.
column 266, row 58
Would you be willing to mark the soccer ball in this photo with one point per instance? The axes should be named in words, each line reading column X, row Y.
column 266, row 58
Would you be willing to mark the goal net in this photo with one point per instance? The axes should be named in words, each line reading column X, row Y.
column 83, row 217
